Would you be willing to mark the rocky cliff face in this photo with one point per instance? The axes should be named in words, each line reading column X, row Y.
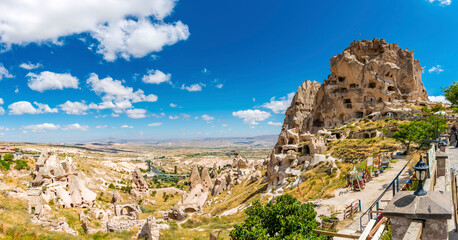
column 370, row 78
column 367, row 77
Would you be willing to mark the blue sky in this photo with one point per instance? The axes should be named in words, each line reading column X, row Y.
column 154, row 69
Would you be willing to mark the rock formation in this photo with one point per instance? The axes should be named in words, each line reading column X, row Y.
column 369, row 79
column 62, row 181
column 194, row 199
column 139, row 184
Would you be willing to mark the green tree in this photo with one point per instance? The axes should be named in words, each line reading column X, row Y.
column 8, row 157
column 418, row 131
column 285, row 218
column 451, row 93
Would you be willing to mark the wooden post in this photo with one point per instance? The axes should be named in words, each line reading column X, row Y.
column 454, row 197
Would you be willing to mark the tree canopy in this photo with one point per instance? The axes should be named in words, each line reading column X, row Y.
column 418, row 131
column 284, row 218
column 451, row 93
column 8, row 157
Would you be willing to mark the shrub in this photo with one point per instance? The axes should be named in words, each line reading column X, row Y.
column 111, row 186
column 21, row 164
column 8, row 157
column 286, row 218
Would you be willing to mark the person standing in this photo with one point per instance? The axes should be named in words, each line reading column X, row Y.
column 454, row 132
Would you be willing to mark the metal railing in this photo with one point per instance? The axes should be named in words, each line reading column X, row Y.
column 394, row 185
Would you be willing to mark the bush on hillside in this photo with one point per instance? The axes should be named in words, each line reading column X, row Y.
column 285, row 218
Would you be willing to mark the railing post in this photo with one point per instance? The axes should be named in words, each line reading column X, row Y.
column 359, row 204
column 397, row 184
column 370, row 214
column 378, row 205
column 394, row 189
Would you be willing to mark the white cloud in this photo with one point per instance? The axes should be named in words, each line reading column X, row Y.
column 24, row 107
column 158, row 115
column 1, row 101
column 74, row 108
column 116, row 96
column 136, row 113
column 41, row 127
column 51, row 81
column 436, row 69
column 156, row 77
column 126, row 126
column 173, row 105
column 173, row 117
column 251, row 117
column 207, row 118
column 185, row 116
column 440, row 99
column 30, row 66
column 225, row 125
column 281, row 105
column 76, row 126
column 219, row 86
column 442, row 2
column 2, row 111
column 276, row 124
column 122, row 28
column 205, row 71
column 16, row 90
column 3, row 71
column 193, row 88
column 102, row 126
column 157, row 124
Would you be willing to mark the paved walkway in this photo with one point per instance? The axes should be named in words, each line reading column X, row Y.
column 370, row 193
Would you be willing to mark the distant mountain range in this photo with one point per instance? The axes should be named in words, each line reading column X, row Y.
column 264, row 141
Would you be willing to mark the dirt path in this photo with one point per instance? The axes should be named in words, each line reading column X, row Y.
column 367, row 196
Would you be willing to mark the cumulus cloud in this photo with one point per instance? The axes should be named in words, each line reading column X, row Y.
column 219, row 86
column 76, row 126
column 51, row 81
column 30, row 66
column 41, row 127
column 440, row 99
column 4, row 72
column 2, row 111
column 436, row 69
column 276, row 124
column 207, row 118
column 156, row 77
column 251, row 117
column 441, row 2
column 24, row 107
column 173, row 105
column 173, row 117
column 193, row 88
column 74, row 108
column 115, row 95
column 1, row 101
column 124, row 29
column 136, row 113
column 126, row 126
column 102, row 126
column 279, row 106
column 157, row 124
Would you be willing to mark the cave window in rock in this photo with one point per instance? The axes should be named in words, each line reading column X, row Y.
column 32, row 210
column 391, row 88
column 278, row 150
column 388, row 74
column 373, row 134
column 318, row 123
column 332, row 83
column 405, row 97
column 366, row 135
column 127, row 210
column 359, row 114
column 353, row 85
column 290, row 140
column 348, row 105
column 347, row 100
column 306, row 149
column 341, row 79
column 379, row 100
column 372, row 85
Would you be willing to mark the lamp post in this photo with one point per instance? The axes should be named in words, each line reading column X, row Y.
column 420, row 174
